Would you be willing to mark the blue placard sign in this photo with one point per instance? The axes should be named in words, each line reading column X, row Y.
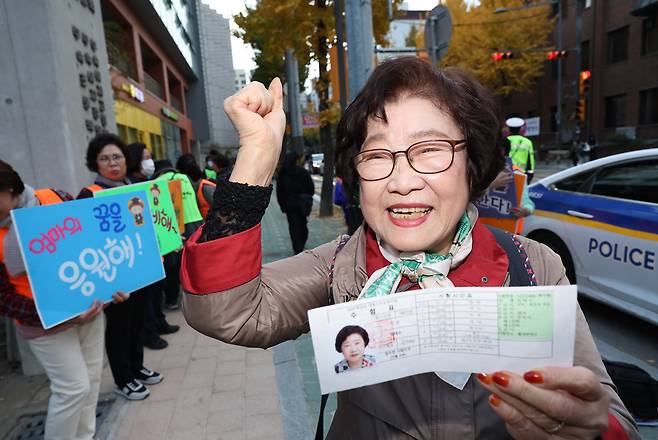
column 79, row 251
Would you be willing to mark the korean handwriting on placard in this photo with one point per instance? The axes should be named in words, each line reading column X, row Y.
column 99, row 262
column 160, row 217
column 498, row 203
column 48, row 240
column 104, row 213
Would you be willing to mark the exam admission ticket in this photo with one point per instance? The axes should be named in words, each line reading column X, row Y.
column 443, row 330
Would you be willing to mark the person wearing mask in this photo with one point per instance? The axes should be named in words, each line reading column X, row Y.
column 203, row 187
column 140, row 168
column 124, row 333
column 522, row 151
column 71, row 353
column 294, row 192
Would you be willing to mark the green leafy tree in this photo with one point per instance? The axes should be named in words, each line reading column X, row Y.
column 478, row 32
column 410, row 39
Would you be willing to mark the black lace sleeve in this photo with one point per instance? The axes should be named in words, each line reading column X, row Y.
column 236, row 208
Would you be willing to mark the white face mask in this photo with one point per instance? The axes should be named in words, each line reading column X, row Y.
column 148, row 167
column 209, row 164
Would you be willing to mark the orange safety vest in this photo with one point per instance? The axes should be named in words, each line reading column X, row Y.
column 204, row 206
column 21, row 283
column 93, row 188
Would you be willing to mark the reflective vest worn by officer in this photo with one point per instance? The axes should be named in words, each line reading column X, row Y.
column 522, row 152
column 20, row 283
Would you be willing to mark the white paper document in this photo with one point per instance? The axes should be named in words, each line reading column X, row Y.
column 462, row 329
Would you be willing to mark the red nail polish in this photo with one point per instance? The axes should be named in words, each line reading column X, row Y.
column 494, row 400
column 485, row 378
column 501, row 379
column 533, row 376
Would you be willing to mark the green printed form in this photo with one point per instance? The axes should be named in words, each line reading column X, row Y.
column 162, row 212
column 525, row 316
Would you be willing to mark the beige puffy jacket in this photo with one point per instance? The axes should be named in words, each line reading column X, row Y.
column 271, row 308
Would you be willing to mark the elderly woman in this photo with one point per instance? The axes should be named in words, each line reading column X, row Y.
column 419, row 145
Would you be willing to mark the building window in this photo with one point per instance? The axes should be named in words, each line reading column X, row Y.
column 649, row 106
column 618, row 45
column 615, row 111
column 650, row 35
column 584, row 55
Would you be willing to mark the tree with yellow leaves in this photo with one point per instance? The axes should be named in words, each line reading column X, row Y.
column 306, row 26
column 478, row 32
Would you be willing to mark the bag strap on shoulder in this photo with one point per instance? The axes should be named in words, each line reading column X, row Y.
column 520, row 270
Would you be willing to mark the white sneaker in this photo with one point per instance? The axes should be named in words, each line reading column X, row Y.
column 133, row 390
column 148, row 377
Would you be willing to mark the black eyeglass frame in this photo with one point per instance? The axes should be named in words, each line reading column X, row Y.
column 453, row 147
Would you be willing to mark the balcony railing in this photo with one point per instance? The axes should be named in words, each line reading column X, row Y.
column 175, row 103
column 153, row 86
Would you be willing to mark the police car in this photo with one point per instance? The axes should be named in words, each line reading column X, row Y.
column 601, row 217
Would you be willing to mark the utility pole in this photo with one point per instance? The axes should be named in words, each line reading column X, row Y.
column 292, row 75
column 558, row 112
column 340, row 51
column 360, row 48
column 579, row 54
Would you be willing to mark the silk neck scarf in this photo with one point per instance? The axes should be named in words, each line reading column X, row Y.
column 427, row 269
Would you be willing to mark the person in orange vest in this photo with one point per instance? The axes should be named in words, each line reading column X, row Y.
column 204, row 188
column 124, row 333
column 70, row 353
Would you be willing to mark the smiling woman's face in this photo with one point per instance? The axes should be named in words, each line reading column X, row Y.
column 408, row 210
column 353, row 348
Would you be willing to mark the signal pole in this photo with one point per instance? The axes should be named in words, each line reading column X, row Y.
column 579, row 54
column 558, row 112
column 360, row 48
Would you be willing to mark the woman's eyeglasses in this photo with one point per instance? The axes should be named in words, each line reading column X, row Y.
column 425, row 157
column 114, row 157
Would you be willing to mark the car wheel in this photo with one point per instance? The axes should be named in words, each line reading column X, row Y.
column 557, row 245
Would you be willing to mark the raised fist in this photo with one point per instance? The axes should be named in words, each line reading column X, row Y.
column 257, row 114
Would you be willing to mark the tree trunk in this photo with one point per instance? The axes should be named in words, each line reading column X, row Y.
column 322, row 87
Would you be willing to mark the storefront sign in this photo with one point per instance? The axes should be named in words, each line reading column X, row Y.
column 170, row 114
column 133, row 91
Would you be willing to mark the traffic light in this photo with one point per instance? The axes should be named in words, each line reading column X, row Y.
column 556, row 54
column 583, row 82
column 498, row 56
column 581, row 110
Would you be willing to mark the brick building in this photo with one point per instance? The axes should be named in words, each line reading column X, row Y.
column 619, row 46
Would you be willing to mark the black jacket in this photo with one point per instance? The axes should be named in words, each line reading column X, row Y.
column 292, row 183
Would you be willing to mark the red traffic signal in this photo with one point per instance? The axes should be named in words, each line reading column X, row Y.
column 556, row 54
column 497, row 56
column 583, row 82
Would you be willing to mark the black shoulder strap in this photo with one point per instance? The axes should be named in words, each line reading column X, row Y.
column 520, row 271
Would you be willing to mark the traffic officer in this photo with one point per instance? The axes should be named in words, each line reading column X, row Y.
column 522, row 151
